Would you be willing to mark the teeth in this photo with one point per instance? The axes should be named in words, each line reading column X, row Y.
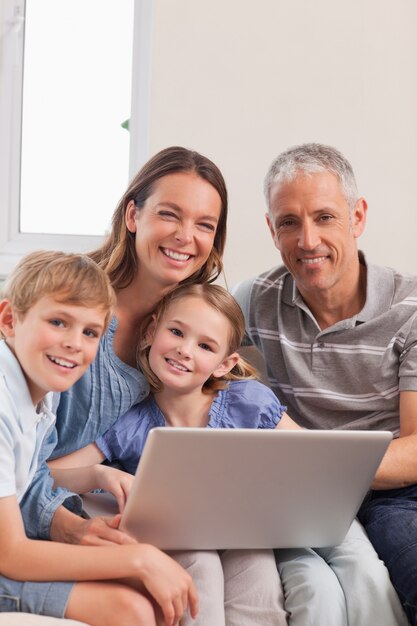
column 312, row 261
column 62, row 362
column 177, row 256
column 177, row 365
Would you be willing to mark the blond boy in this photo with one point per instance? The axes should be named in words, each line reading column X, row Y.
column 55, row 309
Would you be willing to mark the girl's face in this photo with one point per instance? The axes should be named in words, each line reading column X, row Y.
column 175, row 228
column 189, row 344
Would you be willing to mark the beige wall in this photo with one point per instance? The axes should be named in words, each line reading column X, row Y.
column 240, row 81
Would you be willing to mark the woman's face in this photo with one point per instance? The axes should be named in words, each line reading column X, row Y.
column 175, row 228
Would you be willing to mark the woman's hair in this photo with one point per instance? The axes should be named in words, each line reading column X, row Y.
column 68, row 278
column 222, row 301
column 117, row 255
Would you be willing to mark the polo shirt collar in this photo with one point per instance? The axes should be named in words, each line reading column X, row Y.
column 19, row 391
column 379, row 291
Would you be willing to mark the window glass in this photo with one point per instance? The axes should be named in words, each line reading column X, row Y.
column 76, row 102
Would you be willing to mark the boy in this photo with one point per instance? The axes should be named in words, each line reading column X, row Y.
column 56, row 306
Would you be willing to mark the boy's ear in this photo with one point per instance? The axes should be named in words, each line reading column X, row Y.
column 226, row 365
column 7, row 319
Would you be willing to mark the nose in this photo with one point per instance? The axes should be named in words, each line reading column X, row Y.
column 184, row 233
column 309, row 237
column 184, row 349
column 73, row 340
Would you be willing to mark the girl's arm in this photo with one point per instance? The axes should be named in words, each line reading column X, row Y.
column 26, row 559
column 89, row 455
column 286, row 423
column 85, row 479
column 81, row 472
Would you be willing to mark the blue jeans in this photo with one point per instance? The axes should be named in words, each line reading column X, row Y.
column 390, row 519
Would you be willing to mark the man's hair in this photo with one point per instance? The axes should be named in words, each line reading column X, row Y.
column 68, row 278
column 310, row 158
column 220, row 300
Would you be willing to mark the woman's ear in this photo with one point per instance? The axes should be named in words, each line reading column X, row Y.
column 226, row 365
column 7, row 319
column 130, row 217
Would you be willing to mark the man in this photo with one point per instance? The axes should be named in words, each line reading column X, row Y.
column 339, row 337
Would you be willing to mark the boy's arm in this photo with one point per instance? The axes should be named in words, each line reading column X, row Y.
column 25, row 559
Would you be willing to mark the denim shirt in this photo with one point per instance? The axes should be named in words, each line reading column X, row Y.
column 106, row 391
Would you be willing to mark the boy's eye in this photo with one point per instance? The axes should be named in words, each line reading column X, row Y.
column 56, row 322
column 205, row 346
column 91, row 333
column 176, row 332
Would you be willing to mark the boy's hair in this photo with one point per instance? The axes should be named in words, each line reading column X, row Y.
column 222, row 301
column 68, row 278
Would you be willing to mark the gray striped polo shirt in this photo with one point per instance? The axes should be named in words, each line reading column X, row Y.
column 349, row 375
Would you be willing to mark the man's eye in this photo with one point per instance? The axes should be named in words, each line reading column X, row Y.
column 286, row 224
column 176, row 332
column 326, row 218
column 205, row 346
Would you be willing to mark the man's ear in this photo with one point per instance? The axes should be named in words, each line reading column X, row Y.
column 272, row 229
column 226, row 365
column 130, row 217
column 7, row 319
column 359, row 217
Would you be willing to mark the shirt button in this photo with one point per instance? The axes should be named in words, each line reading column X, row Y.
column 321, row 345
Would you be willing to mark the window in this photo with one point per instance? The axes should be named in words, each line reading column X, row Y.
column 66, row 99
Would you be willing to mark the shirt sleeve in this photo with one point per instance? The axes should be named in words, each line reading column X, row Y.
column 251, row 404
column 7, row 462
column 124, row 441
column 41, row 500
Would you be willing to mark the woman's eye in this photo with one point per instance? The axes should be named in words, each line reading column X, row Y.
column 168, row 215
column 176, row 332
column 207, row 226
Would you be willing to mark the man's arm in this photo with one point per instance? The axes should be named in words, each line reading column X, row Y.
column 398, row 468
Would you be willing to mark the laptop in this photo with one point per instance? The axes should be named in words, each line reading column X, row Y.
column 200, row 488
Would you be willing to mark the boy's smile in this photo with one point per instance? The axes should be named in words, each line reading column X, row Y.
column 54, row 343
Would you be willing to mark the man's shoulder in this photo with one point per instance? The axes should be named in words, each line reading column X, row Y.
column 268, row 281
column 403, row 284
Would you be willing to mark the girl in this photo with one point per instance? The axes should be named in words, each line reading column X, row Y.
column 188, row 354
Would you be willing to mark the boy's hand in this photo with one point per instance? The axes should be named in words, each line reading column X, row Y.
column 168, row 583
column 114, row 480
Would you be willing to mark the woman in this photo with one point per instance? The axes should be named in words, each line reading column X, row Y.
column 169, row 228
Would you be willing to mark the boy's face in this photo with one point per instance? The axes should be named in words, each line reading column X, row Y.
column 54, row 343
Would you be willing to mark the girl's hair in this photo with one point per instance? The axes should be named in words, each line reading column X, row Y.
column 117, row 255
column 222, row 301
column 68, row 278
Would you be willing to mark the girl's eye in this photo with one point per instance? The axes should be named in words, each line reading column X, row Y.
column 176, row 332
column 205, row 346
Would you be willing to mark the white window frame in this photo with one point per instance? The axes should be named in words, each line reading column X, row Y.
column 13, row 243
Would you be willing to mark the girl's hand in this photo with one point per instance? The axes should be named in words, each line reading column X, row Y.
column 114, row 480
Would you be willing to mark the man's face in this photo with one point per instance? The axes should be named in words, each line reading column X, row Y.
column 315, row 231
